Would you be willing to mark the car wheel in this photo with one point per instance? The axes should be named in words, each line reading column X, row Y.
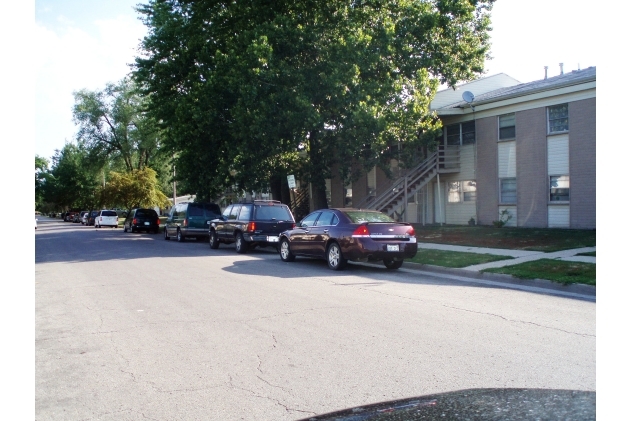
column 214, row 241
column 166, row 234
column 334, row 257
column 285, row 253
column 392, row 264
column 239, row 243
column 179, row 236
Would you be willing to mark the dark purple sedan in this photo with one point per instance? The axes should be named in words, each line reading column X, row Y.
column 340, row 235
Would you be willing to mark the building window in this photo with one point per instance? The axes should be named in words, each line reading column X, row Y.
column 461, row 134
column 454, row 192
column 461, row 191
column 507, row 126
column 469, row 191
column 508, row 190
column 453, row 135
column 560, row 188
column 558, row 119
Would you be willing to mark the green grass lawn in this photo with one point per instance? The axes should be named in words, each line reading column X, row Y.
column 554, row 270
column 536, row 239
column 452, row 259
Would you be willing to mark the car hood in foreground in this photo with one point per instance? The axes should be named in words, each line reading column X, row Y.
column 477, row 404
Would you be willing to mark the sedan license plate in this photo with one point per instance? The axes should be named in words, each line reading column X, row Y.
column 271, row 239
column 147, row 223
column 392, row 247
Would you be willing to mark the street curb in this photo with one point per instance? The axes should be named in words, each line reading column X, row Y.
column 509, row 279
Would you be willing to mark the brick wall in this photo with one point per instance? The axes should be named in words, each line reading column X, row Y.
column 582, row 126
column 532, row 171
column 486, row 170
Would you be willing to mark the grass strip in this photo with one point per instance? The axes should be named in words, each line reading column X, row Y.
column 554, row 270
column 589, row 253
column 452, row 259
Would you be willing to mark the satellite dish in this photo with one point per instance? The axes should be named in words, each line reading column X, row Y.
column 468, row 97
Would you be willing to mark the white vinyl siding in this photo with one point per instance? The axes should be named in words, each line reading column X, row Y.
column 460, row 213
column 559, row 155
column 506, row 152
column 559, row 216
column 467, row 163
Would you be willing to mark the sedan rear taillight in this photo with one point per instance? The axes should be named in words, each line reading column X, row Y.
column 251, row 226
column 411, row 232
column 134, row 221
column 293, row 226
column 158, row 222
column 361, row 231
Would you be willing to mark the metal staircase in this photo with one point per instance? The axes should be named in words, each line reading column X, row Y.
column 392, row 198
column 300, row 203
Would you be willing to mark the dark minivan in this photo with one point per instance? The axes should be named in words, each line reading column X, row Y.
column 190, row 220
column 142, row 220
column 251, row 224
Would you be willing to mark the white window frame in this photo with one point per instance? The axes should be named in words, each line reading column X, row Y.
column 460, row 133
column 550, row 189
column 502, row 202
column 499, row 127
column 567, row 117
column 456, row 191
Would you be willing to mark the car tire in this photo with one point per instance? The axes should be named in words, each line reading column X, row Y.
column 166, row 234
column 392, row 264
column 239, row 243
column 334, row 257
column 213, row 240
column 285, row 252
column 179, row 236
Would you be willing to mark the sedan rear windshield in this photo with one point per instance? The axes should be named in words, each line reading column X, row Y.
column 108, row 213
column 360, row 217
column 269, row 213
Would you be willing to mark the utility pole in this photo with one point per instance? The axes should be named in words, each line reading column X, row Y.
column 174, row 183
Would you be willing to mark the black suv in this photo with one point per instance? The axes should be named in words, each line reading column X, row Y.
column 251, row 224
column 142, row 220
column 190, row 220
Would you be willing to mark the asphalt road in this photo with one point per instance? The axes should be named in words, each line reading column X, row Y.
column 133, row 327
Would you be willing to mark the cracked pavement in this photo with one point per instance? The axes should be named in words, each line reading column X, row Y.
column 149, row 329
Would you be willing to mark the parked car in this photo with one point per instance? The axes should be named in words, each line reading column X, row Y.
column 91, row 217
column 251, row 224
column 84, row 217
column 69, row 217
column 190, row 220
column 106, row 218
column 76, row 218
column 142, row 220
column 340, row 235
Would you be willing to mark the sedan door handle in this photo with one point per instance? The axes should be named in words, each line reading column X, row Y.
column 326, row 230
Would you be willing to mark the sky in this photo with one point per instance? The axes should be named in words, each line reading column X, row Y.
column 87, row 43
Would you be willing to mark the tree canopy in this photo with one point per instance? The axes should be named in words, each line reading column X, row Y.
column 113, row 125
column 136, row 188
column 243, row 87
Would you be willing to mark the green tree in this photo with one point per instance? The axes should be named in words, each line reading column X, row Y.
column 41, row 177
column 113, row 125
column 245, row 86
column 71, row 182
column 137, row 188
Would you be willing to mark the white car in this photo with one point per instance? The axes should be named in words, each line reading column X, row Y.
column 84, row 218
column 106, row 218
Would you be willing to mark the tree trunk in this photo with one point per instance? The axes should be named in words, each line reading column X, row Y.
column 318, row 185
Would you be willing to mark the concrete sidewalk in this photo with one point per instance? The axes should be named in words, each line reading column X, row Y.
column 519, row 256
